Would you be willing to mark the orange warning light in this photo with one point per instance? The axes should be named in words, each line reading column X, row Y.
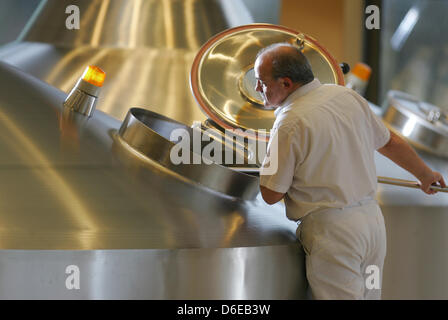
column 94, row 75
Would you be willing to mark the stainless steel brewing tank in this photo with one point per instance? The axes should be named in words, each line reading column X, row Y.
column 146, row 46
column 76, row 194
column 416, row 223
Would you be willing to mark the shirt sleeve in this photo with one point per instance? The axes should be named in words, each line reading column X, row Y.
column 381, row 134
column 278, row 167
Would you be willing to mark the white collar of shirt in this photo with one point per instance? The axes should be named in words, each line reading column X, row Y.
column 299, row 92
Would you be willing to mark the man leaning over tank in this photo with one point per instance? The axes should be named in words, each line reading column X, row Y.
column 326, row 137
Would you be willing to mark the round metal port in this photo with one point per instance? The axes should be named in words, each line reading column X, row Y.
column 150, row 134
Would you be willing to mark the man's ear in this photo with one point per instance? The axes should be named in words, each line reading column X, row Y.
column 287, row 83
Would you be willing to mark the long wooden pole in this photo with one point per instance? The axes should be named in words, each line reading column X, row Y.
column 407, row 183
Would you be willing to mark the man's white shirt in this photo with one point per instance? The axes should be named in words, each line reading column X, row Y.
column 326, row 137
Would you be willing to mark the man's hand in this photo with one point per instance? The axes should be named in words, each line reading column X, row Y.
column 270, row 196
column 431, row 178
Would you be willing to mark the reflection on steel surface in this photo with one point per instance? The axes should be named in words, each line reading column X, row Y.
column 72, row 195
column 146, row 48
column 221, row 273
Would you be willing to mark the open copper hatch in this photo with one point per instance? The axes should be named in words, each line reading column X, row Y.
column 222, row 76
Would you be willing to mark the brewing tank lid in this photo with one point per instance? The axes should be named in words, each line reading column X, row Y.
column 222, row 77
column 423, row 124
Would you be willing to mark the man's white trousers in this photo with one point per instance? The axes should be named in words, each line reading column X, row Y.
column 345, row 250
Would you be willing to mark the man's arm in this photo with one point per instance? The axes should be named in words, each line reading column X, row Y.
column 400, row 152
column 270, row 196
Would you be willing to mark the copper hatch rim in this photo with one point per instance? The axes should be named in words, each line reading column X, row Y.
column 194, row 74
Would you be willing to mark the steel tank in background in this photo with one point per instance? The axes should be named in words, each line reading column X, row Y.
column 147, row 48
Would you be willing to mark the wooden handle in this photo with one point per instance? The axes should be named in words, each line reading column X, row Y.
column 384, row 180
column 408, row 184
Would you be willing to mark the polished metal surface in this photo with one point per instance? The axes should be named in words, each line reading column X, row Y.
column 81, row 102
column 223, row 80
column 269, row 272
column 181, row 24
column 416, row 121
column 73, row 194
column 82, row 98
column 146, row 47
column 149, row 134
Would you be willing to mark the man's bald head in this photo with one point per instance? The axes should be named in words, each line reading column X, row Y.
column 286, row 60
